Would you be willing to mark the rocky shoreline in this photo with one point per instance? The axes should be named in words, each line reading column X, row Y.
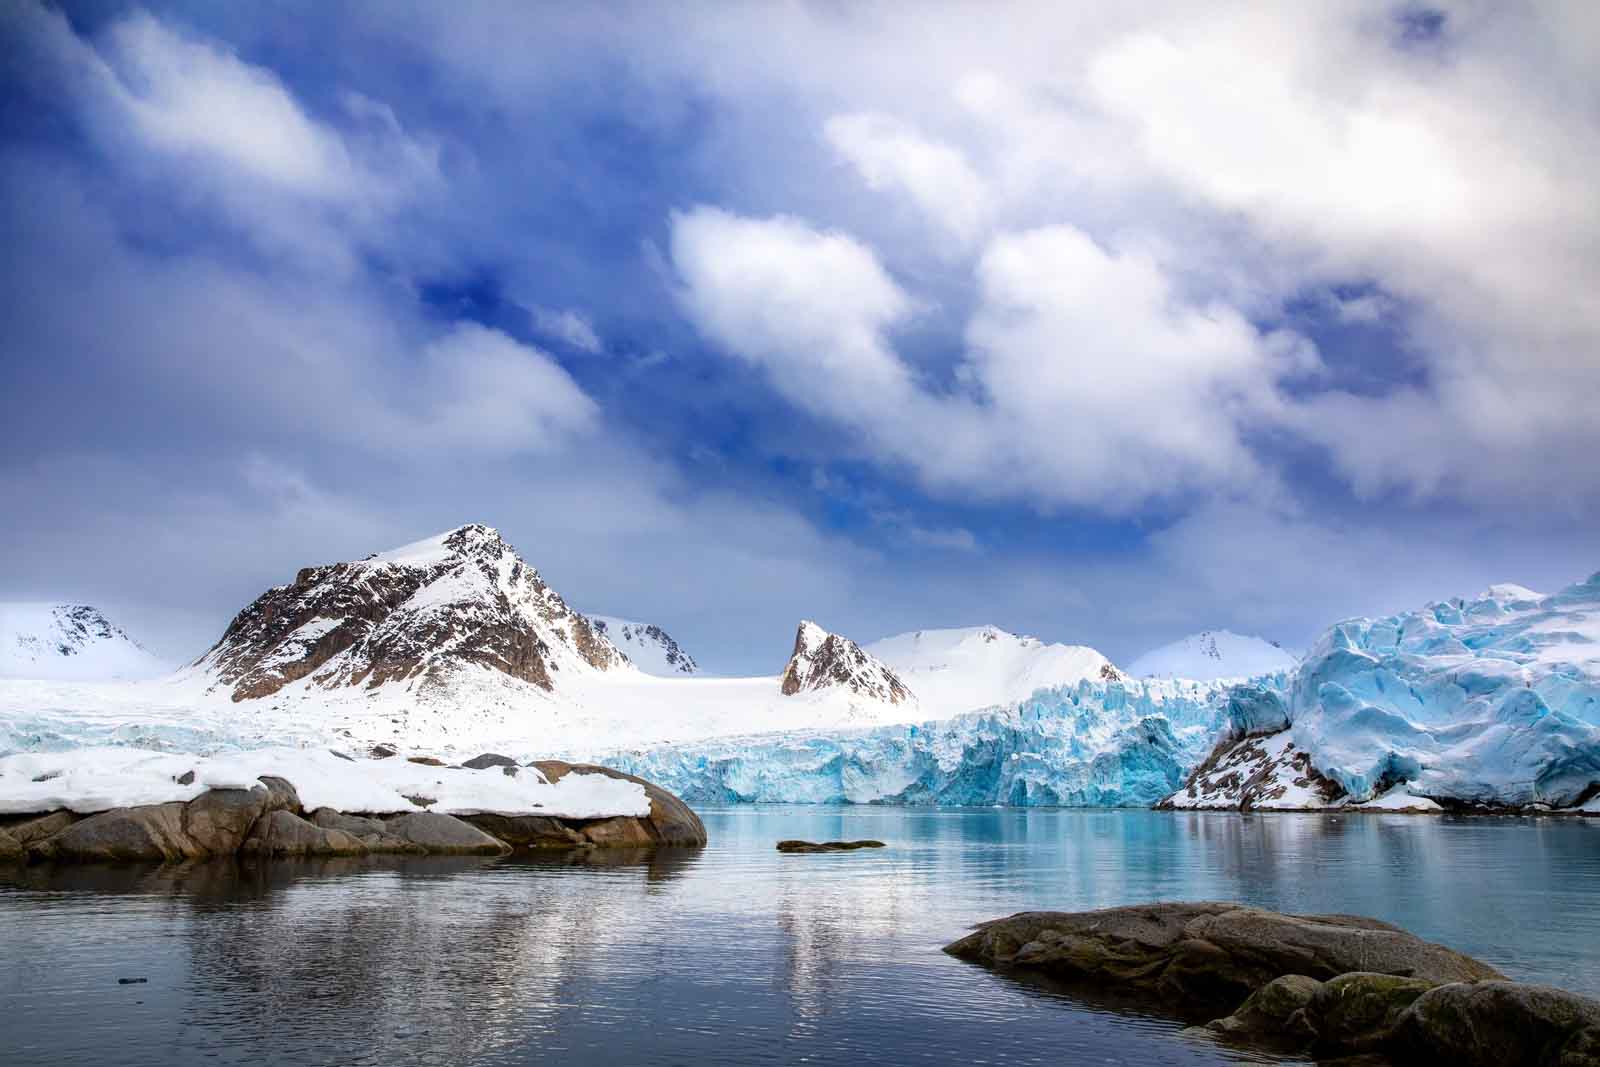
column 1327, row 985
column 268, row 820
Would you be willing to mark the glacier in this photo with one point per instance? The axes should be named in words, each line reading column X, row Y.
column 1089, row 744
column 1490, row 701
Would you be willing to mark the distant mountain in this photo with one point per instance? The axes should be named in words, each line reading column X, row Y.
column 1213, row 654
column 649, row 647
column 823, row 661
column 954, row 671
column 69, row 642
column 421, row 614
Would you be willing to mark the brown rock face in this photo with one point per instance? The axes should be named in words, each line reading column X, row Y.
column 528, row 831
column 1491, row 1023
column 823, row 660
column 464, row 599
column 1204, row 959
column 282, row 833
column 671, row 821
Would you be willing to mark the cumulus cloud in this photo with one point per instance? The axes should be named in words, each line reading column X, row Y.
column 892, row 156
column 486, row 391
column 1089, row 379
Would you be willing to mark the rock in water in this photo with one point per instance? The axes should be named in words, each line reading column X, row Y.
column 444, row 835
column 1204, row 959
column 282, row 833
column 670, row 822
column 827, row 846
column 1487, row 1024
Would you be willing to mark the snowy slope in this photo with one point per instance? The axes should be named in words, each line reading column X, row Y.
column 1213, row 654
column 952, row 671
column 647, row 646
column 68, row 642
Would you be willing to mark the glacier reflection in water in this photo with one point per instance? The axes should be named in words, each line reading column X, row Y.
column 734, row 955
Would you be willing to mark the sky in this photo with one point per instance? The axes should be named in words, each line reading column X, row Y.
column 1105, row 325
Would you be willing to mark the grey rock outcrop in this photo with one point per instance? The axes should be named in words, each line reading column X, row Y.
column 443, row 835
column 283, row 833
column 1493, row 1023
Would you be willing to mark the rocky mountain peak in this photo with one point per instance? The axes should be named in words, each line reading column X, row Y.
column 417, row 614
column 823, row 660
column 647, row 646
column 68, row 641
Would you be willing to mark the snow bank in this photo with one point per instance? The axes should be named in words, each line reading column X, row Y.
column 87, row 780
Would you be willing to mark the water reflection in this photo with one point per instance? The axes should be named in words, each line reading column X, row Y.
column 736, row 954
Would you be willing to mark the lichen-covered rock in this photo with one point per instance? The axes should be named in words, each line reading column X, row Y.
column 444, row 835
column 1357, row 1012
column 1486, row 1024
column 282, row 833
column 528, row 831
column 671, row 821
column 1207, row 957
column 1276, row 1010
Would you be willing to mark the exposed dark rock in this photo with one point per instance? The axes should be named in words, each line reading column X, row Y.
column 671, row 821
column 489, row 759
column 148, row 833
column 186, row 778
column 1357, row 1012
column 622, row 831
column 823, row 660
column 33, row 828
column 1204, row 959
column 381, row 752
column 281, row 794
column 528, row 831
column 371, row 832
column 1274, row 1011
column 827, row 846
column 218, row 820
column 10, row 848
column 282, row 833
column 444, row 835
column 427, row 761
column 1486, row 1024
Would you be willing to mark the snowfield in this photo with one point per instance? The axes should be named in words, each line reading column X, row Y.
column 69, row 642
column 87, row 780
column 1213, row 655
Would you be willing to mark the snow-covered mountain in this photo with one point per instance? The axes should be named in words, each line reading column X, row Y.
column 954, row 671
column 1212, row 654
column 823, row 660
column 69, row 642
column 647, row 646
column 420, row 616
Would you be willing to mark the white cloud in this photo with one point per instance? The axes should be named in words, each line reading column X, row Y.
column 485, row 391
column 568, row 326
column 1091, row 380
column 892, row 156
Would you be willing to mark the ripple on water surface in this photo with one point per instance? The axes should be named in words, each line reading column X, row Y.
column 737, row 954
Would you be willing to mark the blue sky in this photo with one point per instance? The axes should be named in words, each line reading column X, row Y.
column 1102, row 326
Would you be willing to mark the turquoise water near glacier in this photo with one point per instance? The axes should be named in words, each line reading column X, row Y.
column 736, row 954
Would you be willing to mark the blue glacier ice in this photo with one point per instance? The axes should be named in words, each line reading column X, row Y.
column 1492, row 700
column 1089, row 744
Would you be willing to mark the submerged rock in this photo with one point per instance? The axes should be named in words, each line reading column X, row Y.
column 1205, row 959
column 1357, row 1012
column 1275, row 1010
column 827, row 846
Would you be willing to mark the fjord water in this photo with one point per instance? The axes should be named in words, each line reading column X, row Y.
column 733, row 955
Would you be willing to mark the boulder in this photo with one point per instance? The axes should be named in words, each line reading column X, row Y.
column 489, row 759
column 11, row 850
column 670, row 822
column 827, row 846
column 427, row 761
column 1207, row 957
column 281, row 795
column 1275, row 1011
column 528, row 831
column 218, row 820
column 149, row 833
column 444, row 834
column 283, row 833
column 38, row 827
column 372, row 833
column 623, row 831
column 1497, row 1022
column 1357, row 1012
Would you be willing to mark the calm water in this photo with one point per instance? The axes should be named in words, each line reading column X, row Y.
column 734, row 955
